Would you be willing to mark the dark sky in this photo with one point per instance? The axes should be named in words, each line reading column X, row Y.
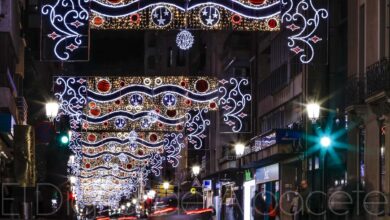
column 112, row 52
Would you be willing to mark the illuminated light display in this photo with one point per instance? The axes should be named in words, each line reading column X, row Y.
column 65, row 29
column 110, row 140
column 65, row 24
column 184, row 40
column 303, row 28
column 199, row 14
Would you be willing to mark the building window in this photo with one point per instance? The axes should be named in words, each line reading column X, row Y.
column 362, row 146
column 181, row 58
column 151, row 62
column 170, row 57
column 382, row 158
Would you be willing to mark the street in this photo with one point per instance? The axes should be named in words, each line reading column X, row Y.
column 194, row 109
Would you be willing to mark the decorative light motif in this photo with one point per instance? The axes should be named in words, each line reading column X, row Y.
column 161, row 16
column 66, row 27
column 303, row 37
column 173, row 14
column 233, row 102
column 184, row 40
column 209, row 16
column 169, row 110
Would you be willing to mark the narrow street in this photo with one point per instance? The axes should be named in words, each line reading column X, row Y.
column 195, row 109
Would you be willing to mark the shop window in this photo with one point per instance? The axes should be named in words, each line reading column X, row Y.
column 316, row 163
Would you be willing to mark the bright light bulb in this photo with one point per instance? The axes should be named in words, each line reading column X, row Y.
column 240, row 149
column 64, row 139
column 72, row 179
column 52, row 110
column 196, row 170
column 325, row 141
column 166, row 185
column 313, row 111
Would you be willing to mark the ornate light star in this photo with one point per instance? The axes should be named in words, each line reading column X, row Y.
column 184, row 40
column 161, row 21
column 210, row 21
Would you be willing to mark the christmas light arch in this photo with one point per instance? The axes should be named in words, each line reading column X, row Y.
column 66, row 23
column 110, row 140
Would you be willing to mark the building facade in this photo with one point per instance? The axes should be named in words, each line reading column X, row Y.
column 367, row 102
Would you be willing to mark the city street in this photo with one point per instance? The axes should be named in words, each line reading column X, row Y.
column 195, row 109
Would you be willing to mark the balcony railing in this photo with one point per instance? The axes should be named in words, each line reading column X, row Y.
column 354, row 91
column 378, row 77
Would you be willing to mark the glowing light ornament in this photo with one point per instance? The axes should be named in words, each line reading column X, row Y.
column 184, row 40
column 303, row 27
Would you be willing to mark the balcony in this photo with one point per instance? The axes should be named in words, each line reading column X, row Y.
column 354, row 91
column 378, row 78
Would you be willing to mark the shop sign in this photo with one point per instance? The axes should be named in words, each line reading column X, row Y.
column 207, row 185
column 7, row 123
column 277, row 136
column 267, row 174
column 247, row 175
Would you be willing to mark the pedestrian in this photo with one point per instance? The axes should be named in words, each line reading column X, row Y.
column 258, row 206
column 338, row 203
column 304, row 210
column 294, row 209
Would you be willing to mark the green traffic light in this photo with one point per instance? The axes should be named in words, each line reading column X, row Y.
column 64, row 139
column 325, row 141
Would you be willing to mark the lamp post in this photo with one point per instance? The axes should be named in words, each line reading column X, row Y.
column 325, row 142
column 239, row 149
column 52, row 110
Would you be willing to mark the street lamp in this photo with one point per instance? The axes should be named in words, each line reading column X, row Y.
column 196, row 170
column 240, row 149
column 313, row 111
column 52, row 110
column 166, row 187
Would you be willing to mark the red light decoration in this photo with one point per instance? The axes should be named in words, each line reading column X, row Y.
column 95, row 112
column 114, row 2
column 97, row 21
column 135, row 18
column 201, row 85
column 91, row 138
column 236, row 19
column 257, row 2
column 272, row 23
column 103, row 86
column 153, row 138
